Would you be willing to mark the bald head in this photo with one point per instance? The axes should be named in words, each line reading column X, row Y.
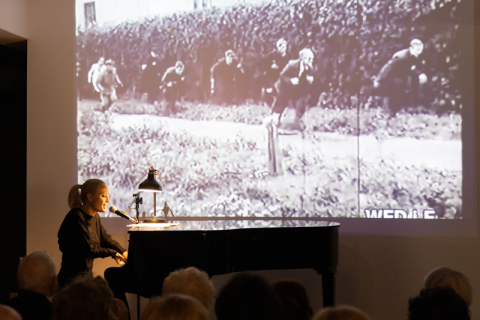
column 8, row 313
column 37, row 273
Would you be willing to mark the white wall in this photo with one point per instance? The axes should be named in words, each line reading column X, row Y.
column 13, row 17
column 376, row 273
column 13, row 21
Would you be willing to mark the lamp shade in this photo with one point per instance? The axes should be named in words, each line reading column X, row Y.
column 150, row 184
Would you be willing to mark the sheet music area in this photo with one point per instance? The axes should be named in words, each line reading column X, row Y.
column 228, row 225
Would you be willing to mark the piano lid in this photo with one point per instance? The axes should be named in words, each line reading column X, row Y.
column 212, row 225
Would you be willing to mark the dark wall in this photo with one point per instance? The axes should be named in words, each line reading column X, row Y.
column 13, row 164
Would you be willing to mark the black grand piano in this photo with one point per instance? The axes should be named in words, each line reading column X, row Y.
column 225, row 246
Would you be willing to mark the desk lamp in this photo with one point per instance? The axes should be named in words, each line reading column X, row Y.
column 151, row 185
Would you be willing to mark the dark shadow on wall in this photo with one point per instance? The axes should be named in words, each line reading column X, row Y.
column 13, row 163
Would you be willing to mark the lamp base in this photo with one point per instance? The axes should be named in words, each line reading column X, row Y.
column 157, row 220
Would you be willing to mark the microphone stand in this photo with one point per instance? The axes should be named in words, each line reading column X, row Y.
column 138, row 200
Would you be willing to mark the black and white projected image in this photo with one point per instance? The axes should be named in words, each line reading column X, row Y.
column 292, row 109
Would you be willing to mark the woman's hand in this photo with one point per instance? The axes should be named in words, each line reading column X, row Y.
column 120, row 259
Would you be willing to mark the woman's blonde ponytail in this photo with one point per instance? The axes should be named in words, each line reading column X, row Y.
column 74, row 200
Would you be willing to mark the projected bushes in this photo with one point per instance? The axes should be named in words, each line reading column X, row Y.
column 352, row 40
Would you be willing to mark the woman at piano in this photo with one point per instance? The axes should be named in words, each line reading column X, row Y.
column 82, row 237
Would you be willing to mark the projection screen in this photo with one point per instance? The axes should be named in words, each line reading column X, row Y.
column 366, row 118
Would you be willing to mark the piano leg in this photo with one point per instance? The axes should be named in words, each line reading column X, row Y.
column 328, row 288
column 138, row 307
column 118, row 283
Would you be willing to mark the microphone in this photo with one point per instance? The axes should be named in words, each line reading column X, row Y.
column 121, row 214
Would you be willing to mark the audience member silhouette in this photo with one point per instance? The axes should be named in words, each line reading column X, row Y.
column 88, row 298
column 37, row 280
column 294, row 300
column 190, row 282
column 247, row 297
column 8, row 313
column 441, row 303
column 341, row 313
column 188, row 294
column 174, row 307
column 446, row 277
